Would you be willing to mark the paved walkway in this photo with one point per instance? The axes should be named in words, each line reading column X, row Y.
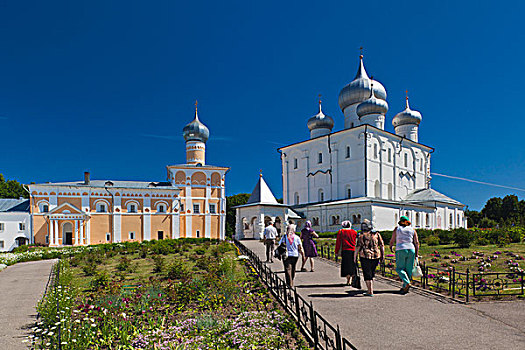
column 21, row 287
column 417, row 320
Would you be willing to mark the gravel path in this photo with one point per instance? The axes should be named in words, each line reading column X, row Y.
column 417, row 320
column 21, row 287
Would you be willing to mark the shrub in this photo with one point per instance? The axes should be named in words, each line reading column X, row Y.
column 178, row 270
column 143, row 252
column 480, row 240
column 463, row 237
column 101, row 281
column 158, row 262
column 432, row 240
column 124, row 264
column 445, row 236
column 90, row 268
column 386, row 235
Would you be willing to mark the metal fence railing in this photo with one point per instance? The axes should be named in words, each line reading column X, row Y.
column 454, row 283
column 321, row 334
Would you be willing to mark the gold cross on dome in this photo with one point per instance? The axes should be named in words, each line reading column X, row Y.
column 319, row 98
column 260, row 172
column 196, row 103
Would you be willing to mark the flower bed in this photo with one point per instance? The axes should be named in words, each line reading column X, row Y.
column 198, row 295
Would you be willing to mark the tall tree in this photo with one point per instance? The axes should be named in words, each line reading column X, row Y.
column 493, row 208
column 510, row 208
column 11, row 189
column 232, row 201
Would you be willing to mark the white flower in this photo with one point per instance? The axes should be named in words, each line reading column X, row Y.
column 93, row 325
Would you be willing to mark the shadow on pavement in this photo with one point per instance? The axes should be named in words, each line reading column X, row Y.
column 350, row 293
column 322, row 285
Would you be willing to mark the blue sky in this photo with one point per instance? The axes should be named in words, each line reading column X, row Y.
column 108, row 86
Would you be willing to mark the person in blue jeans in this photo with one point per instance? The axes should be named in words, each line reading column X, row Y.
column 407, row 249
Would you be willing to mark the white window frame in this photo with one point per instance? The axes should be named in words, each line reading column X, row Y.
column 214, row 206
column 108, row 237
column 131, row 235
column 21, row 226
column 2, row 226
column 101, row 207
column 161, row 209
column 197, row 234
column 196, row 208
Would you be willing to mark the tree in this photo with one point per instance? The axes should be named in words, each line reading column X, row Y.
column 232, row 201
column 473, row 218
column 510, row 208
column 11, row 189
column 493, row 208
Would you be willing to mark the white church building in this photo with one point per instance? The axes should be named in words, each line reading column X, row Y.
column 363, row 171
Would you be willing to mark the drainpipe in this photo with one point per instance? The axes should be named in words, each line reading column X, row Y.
column 31, row 234
column 112, row 212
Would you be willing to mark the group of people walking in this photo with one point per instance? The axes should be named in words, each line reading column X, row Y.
column 367, row 245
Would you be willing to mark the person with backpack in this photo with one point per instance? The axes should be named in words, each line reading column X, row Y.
column 407, row 249
column 345, row 243
column 294, row 247
column 371, row 250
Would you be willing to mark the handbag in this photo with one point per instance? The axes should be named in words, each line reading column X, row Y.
column 356, row 279
column 416, row 270
column 281, row 252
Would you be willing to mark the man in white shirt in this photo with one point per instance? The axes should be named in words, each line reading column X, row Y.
column 270, row 234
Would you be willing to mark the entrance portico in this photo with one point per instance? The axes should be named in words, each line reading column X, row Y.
column 68, row 226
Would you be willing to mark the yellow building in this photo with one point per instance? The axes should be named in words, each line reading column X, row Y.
column 192, row 203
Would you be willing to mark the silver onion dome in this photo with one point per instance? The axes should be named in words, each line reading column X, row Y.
column 407, row 116
column 320, row 121
column 358, row 89
column 196, row 131
column 372, row 106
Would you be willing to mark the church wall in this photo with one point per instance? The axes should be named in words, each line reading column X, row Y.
column 215, row 226
column 198, row 192
column 40, row 229
column 76, row 202
column 100, row 224
column 132, row 223
column 197, row 224
column 162, row 223
column 182, row 226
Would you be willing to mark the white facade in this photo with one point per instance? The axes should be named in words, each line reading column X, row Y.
column 15, row 225
column 364, row 171
column 261, row 207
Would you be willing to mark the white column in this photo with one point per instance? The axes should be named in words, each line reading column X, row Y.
column 175, row 219
column 56, row 232
column 76, row 232
column 82, row 233
column 88, row 232
column 207, row 216
column 51, row 233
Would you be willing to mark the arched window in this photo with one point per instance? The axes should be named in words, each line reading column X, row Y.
column 377, row 188
column 43, row 206
column 348, row 192
column 390, row 188
column 450, row 220
column 132, row 207
column 421, row 164
column 427, row 220
column 296, row 197
column 390, row 155
column 417, row 219
column 315, row 221
column 320, row 158
column 347, row 151
column 375, row 151
column 458, row 221
column 162, row 207
column 321, row 196
column 406, row 160
column 358, row 218
column 295, row 163
column 101, row 206
column 354, row 219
